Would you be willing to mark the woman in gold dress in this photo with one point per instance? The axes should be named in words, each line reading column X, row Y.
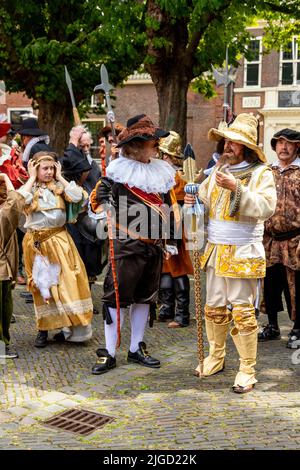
column 56, row 275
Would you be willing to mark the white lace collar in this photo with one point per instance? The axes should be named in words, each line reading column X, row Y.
column 154, row 177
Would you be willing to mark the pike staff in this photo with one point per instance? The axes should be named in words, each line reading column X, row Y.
column 77, row 120
column 191, row 175
column 106, row 87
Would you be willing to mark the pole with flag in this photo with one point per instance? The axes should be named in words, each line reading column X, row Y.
column 191, row 176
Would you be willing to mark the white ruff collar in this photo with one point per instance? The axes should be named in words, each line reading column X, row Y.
column 154, row 177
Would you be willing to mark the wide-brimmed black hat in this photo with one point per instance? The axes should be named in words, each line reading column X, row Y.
column 288, row 134
column 140, row 128
column 30, row 127
column 74, row 165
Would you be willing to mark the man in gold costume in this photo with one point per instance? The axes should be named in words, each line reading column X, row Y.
column 239, row 195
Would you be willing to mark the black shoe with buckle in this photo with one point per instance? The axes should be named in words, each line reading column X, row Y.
column 105, row 362
column 41, row 340
column 142, row 357
column 269, row 332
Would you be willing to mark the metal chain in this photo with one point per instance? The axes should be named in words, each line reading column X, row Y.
column 198, row 307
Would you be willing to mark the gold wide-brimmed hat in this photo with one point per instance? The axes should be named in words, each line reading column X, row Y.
column 243, row 130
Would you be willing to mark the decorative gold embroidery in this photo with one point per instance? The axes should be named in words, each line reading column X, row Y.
column 244, row 318
column 208, row 251
column 78, row 307
column 218, row 315
column 228, row 265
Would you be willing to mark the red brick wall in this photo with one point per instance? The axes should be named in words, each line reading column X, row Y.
column 202, row 114
column 270, row 70
column 15, row 100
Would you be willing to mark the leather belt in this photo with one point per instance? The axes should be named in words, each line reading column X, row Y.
column 281, row 236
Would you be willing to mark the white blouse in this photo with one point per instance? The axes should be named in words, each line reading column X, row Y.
column 49, row 218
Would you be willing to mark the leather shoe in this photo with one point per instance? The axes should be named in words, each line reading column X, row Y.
column 9, row 354
column 246, row 389
column 142, row 357
column 41, row 340
column 105, row 362
column 26, row 295
column 59, row 337
column 175, row 324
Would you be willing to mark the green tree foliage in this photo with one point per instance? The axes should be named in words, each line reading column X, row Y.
column 283, row 23
column 39, row 37
column 177, row 41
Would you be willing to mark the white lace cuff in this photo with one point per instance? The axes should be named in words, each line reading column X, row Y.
column 173, row 250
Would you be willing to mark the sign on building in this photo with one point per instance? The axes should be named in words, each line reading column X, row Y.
column 251, row 102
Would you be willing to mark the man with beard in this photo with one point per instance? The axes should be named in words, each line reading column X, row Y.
column 240, row 195
column 282, row 240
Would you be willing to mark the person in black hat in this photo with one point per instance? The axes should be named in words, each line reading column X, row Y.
column 282, row 240
column 33, row 139
column 136, row 183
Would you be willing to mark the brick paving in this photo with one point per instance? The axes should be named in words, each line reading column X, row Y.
column 166, row 408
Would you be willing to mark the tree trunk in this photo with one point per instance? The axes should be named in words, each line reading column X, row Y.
column 172, row 100
column 55, row 119
column 171, row 67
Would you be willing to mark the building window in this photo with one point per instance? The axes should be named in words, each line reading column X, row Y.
column 16, row 115
column 94, row 125
column 253, row 65
column 290, row 64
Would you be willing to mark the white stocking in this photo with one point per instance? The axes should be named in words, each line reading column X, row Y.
column 138, row 318
column 111, row 331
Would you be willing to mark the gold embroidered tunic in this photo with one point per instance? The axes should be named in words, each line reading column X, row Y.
column 257, row 204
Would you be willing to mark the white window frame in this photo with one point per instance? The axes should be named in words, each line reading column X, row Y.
column 293, row 61
column 28, row 109
column 95, row 145
column 259, row 62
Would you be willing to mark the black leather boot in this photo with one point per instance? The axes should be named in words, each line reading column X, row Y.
column 141, row 356
column 105, row 362
column 166, row 298
column 41, row 339
column 182, row 295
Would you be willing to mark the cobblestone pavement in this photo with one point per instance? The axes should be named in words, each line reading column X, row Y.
column 166, row 408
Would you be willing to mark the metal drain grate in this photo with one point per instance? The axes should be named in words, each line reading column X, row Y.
column 80, row 422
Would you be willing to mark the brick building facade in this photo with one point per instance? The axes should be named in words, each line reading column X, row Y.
column 269, row 86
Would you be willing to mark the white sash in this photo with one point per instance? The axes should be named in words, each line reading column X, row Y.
column 223, row 232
